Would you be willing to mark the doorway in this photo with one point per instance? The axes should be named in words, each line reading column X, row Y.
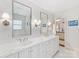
column 60, row 31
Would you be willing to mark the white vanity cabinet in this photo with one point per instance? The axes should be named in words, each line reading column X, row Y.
column 31, row 52
column 23, row 54
column 35, row 51
column 43, row 49
column 51, row 49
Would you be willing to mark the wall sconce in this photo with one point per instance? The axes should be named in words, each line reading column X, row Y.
column 36, row 23
column 58, row 19
column 5, row 19
column 49, row 23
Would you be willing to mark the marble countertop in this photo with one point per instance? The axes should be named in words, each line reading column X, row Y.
column 14, row 47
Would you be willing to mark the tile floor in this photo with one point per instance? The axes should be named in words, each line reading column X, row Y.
column 66, row 53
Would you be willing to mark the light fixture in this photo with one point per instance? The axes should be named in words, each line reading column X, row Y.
column 49, row 23
column 57, row 20
column 5, row 19
column 36, row 23
column 5, row 16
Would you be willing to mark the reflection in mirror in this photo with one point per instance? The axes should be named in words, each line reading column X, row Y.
column 44, row 21
column 21, row 19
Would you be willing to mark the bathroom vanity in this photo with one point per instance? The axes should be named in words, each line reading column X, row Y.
column 14, row 40
column 39, row 47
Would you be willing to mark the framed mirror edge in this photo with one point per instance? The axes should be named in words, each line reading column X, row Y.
column 13, row 13
column 41, row 12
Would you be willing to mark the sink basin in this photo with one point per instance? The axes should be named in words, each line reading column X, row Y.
column 26, row 43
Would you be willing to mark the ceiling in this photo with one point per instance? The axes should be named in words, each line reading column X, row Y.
column 56, row 5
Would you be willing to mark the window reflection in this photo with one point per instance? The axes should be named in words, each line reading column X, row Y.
column 17, row 24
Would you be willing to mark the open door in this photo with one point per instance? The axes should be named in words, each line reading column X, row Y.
column 60, row 31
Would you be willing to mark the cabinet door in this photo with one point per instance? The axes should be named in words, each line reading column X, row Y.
column 15, row 55
column 55, row 44
column 35, row 53
column 30, row 50
column 52, row 47
column 43, row 50
column 23, row 53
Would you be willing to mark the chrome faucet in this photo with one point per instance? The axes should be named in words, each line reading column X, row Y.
column 21, row 40
column 24, row 39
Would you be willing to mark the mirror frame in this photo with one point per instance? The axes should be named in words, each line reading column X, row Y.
column 13, row 14
column 41, row 21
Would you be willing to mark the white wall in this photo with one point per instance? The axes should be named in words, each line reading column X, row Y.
column 6, row 6
column 5, row 32
column 71, row 33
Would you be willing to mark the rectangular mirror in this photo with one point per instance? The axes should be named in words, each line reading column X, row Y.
column 21, row 20
column 44, row 21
